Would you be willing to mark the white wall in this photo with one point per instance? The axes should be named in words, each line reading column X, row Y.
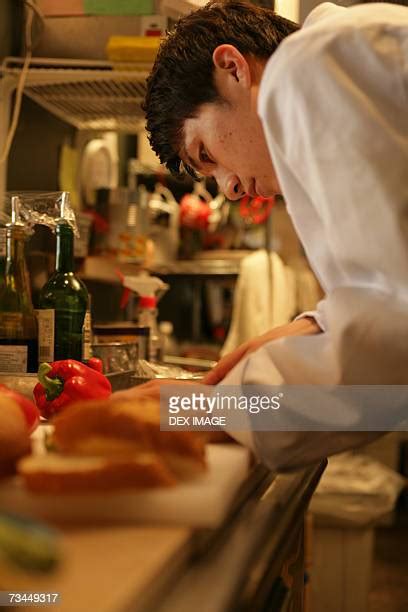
column 288, row 9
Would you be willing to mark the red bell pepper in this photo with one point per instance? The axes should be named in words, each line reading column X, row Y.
column 95, row 363
column 67, row 381
column 30, row 410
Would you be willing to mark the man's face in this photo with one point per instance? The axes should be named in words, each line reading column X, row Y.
column 226, row 141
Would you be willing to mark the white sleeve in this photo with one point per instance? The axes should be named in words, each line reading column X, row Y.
column 317, row 315
column 367, row 344
column 237, row 378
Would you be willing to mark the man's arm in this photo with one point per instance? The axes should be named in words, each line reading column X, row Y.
column 151, row 389
column 300, row 327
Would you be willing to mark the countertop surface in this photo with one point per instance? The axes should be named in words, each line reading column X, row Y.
column 145, row 568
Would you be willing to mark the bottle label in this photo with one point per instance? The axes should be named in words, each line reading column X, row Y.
column 86, row 337
column 46, row 335
column 13, row 358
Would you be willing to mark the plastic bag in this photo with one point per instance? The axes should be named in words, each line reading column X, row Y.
column 150, row 370
column 41, row 208
column 356, row 490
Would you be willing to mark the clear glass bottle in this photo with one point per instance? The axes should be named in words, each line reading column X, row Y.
column 18, row 325
column 63, row 315
column 147, row 317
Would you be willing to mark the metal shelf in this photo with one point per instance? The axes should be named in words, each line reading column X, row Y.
column 88, row 95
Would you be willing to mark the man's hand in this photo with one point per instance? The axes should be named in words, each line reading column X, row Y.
column 150, row 389
column 301, row 327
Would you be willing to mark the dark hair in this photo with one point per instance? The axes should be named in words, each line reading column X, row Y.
column 182, row 76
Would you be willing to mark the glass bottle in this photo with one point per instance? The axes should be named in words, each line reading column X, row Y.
column 18, row 326
column 63, row 315
column 147, row 317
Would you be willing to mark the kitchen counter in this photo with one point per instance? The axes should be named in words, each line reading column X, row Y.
column 252, row 562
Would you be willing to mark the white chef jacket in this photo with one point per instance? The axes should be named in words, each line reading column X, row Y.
column 333, row 102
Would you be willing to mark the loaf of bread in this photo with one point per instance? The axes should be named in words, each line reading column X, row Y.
column 106, row 427
column 108, row 445
column 14, row 436
column 58, row 473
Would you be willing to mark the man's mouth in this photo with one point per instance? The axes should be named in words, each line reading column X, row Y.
column 251, row 190
column 261, row 194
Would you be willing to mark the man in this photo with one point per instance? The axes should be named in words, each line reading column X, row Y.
column 321, row 116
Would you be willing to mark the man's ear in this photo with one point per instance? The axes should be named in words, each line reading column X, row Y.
column 228, row 61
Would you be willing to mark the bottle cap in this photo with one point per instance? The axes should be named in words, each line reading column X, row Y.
column 147, row 301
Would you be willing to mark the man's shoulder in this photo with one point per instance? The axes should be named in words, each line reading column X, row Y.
column 328, row 23
column 335, row 32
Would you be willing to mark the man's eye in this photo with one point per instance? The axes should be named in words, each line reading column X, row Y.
column 204, row 157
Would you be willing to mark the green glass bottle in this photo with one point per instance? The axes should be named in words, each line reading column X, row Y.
column 63, row 316
column 18, row 325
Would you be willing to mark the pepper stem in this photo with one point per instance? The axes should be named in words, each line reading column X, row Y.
column 53, row 386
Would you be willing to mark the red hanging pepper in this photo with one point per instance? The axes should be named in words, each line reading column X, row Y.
column 255, row 210
column 67, row 381
column 30, row 410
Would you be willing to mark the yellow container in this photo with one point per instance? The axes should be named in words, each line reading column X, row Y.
column 132, row 48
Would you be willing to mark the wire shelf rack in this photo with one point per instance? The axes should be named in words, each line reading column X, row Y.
column 87, row 95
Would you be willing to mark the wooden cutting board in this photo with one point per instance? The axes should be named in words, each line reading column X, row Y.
column 203, row 502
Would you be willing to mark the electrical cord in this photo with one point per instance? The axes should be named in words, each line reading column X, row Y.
column 31, row 9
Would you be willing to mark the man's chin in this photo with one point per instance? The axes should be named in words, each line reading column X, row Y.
column 264, row 191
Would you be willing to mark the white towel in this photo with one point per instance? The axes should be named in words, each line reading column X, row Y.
column 265, row 297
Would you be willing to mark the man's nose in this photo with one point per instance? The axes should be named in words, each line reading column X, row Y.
column 231, row 187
